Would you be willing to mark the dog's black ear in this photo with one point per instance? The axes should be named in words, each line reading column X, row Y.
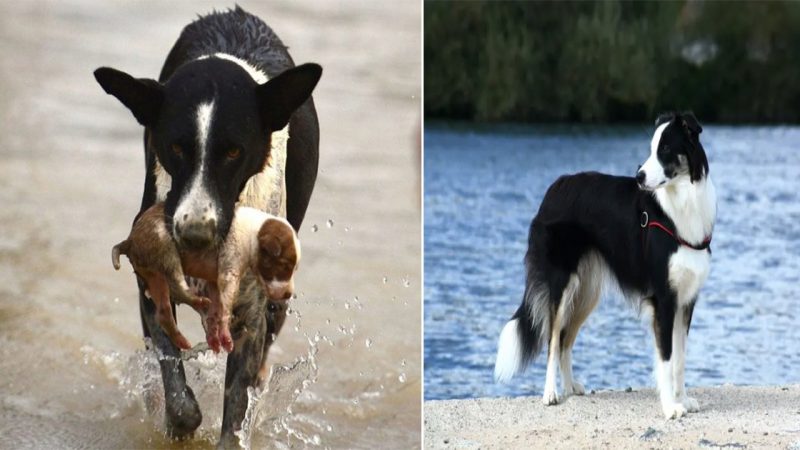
column 664, row 118
column 698, row 162
column 279, row 97
column 690, row 122
column 141, row 95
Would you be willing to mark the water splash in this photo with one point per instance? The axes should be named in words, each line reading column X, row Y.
column 269, row 410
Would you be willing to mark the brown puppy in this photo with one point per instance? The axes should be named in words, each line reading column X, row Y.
column 257, row 241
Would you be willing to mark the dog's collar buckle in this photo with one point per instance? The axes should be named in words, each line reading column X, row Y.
column 645, row 220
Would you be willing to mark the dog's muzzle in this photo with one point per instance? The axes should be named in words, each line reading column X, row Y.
column 196, row 235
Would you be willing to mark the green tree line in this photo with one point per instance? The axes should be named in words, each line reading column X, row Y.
column 612, row 60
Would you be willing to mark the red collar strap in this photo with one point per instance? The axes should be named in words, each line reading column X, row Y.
column 647, row 223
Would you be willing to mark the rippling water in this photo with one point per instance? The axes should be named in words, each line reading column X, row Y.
column 483, row 187
column 74, row 372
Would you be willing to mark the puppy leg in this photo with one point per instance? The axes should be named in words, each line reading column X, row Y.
column 663, row 324
column 180, row 292
column 679, row 336
column 159, row 290
column 228, row 288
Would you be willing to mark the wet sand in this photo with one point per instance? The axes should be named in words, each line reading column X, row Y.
column 732, row 417
column 73, row 372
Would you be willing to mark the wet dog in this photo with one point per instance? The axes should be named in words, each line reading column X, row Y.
column 650, row 234
column 257, row 241
column 228, row 98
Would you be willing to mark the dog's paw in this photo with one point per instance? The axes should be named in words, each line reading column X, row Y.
column 575, row 389
column 674, row 410
column 690, row 404
column 550, row 398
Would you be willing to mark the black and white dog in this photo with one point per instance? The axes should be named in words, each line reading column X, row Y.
column 650, row 234
column 230, row 121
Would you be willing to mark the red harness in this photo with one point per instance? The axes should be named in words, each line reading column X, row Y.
column 647, row 223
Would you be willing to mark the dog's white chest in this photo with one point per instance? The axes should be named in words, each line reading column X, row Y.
column 688, row 270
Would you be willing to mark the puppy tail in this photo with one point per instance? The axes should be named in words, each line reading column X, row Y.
column 121, row 248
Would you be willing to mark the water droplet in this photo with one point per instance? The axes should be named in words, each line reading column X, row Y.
column 403, row 363
column 406, row 282
column 402, row 378
column 368, row 342
column 346, row 229
column 346, row 305
column 314, row 228
column 329, row 223
column 116, row 299
column 385, row 280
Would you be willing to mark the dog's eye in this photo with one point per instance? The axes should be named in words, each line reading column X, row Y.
column 177, row 149
column 233, row 153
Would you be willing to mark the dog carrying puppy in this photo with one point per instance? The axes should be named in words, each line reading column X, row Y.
column 257, row 241
column 228, row 100
column 650, row 234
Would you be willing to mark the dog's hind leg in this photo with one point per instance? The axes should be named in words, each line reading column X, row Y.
column 181, row 411
column 586, row 298
column 562, row 313
column 585, row 304
column 679, row 335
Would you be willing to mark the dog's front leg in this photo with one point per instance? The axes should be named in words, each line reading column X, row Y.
column 663, row 325
column 181, row 412
column 251, row 329
column 683, row 318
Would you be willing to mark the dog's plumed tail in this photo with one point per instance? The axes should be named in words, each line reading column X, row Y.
column 523, row 336
column 121, row 248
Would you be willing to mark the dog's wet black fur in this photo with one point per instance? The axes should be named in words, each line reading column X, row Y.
column 237, row 147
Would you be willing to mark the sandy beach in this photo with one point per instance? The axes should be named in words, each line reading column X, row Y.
column 730, row 417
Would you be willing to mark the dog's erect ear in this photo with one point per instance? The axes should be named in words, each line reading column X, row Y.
column 690, row 122
column 664, row 118
column 141, row 95
column 279, row 97
column 698, row 162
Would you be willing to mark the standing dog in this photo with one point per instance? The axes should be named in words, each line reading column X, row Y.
column 216, row 136
column 650, row 234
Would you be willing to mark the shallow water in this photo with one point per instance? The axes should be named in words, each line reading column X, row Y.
column 483, row 187
column 74, row 371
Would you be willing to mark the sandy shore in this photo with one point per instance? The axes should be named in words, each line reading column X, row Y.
column 730, row 417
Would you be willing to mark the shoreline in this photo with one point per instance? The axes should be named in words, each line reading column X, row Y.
column 730, row 417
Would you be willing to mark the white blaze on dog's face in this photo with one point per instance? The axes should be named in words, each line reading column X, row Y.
column 675, row 153
column 278, row 257
column 209, row 128
column 652, row 169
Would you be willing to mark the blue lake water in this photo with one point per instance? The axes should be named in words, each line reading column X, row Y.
column 483, row 187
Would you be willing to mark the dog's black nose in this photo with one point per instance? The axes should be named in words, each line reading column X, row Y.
column 640, row 176
column 197, row 235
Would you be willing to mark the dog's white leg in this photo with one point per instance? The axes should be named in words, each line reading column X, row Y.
column 569, row 385
column 679, row 335
column 671, row 408
column 550, row 396
column 663, row 332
